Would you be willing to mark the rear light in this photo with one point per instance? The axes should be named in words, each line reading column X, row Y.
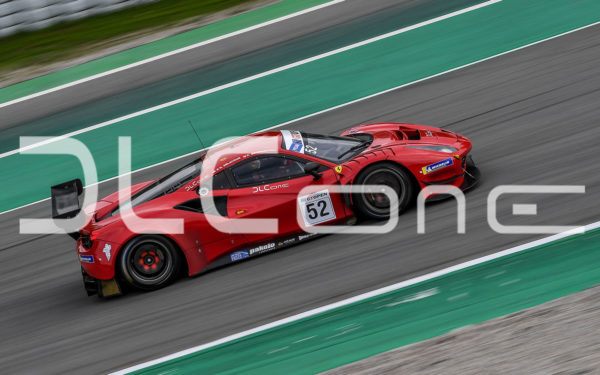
column 86, row 241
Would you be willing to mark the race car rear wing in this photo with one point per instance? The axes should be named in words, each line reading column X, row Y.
column 65, row 199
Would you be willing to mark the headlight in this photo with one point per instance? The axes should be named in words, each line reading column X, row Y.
column 446, row 149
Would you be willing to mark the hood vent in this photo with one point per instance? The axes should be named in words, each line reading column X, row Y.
column 410, row 134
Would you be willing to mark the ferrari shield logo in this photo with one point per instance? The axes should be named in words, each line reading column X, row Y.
column 106, row 251
column 338, row 169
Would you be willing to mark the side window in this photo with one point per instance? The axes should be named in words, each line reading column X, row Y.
column 260, row 170
column 220, row 181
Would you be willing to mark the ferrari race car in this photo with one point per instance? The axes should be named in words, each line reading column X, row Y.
column 247, row 181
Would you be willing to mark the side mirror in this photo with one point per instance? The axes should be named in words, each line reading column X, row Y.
column 312, row 168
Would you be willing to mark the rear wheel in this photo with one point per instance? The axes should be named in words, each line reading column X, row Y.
column 377, row 205
column 149, row 262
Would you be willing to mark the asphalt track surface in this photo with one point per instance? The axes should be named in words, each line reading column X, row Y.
column 532, row 116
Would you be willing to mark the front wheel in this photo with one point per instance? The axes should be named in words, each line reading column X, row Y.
column 149, row 262
column 377, row 205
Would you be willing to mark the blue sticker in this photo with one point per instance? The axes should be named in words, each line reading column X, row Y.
column 86, row 258
column 296, row 145
column 352, row 131
column 436, row 166
column 239, row 255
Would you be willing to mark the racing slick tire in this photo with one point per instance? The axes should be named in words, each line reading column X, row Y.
column 377, row 205
column 149, row 262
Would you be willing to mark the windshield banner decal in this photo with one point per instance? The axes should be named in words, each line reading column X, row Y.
column 293, row 141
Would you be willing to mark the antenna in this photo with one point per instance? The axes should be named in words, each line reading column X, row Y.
column 197, row 136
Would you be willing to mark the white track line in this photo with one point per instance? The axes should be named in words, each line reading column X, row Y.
column 254, row 77
column 168, row 54
column 349, row 103
column 360, row 297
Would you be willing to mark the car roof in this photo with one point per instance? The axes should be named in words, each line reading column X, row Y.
column 242, row 148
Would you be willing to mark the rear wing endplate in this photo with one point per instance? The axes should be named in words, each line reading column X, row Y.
column 65, row 199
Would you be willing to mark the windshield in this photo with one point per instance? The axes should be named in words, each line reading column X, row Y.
column 332, row 148
column 167, row 184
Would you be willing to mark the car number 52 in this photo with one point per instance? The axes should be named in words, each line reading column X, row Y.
column 316, row 208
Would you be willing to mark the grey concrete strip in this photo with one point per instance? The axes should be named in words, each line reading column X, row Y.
column 558, row 337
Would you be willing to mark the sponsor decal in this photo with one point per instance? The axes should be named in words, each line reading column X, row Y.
column 243, row 254
column 239, row 255
column 293, row 140
column 106, row 251
column 239, row 212
column 86, row 258
column 262, row 248
column 289, row 241
column 437, row 166
column 352, row 131
column 316, row 196
column 306, row 236
column 268, row 187
column 192, row 185
column 338, row 169
column 310, row 149
column 316, row 208
column 296, row 146
column 428, row 133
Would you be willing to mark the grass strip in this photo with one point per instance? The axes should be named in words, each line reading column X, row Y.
column 70, row 39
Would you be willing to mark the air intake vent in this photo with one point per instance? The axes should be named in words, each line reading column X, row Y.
column 195, row 205
column 411, row 134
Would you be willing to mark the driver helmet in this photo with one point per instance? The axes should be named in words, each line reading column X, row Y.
column 255, row 164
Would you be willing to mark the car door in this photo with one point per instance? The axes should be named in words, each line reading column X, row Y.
column 267, row 186
column 200, row 233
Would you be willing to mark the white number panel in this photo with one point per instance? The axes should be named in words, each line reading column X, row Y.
column 316, row 208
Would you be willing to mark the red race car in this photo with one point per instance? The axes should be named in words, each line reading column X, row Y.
column 246, row 181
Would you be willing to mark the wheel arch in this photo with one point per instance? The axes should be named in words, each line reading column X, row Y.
column 413, row 178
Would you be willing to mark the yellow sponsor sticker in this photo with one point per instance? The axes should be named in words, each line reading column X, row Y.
column 338, row 169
